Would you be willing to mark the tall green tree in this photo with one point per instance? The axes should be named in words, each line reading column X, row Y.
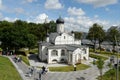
column 52, row 26
column 96, row 33
column 100, row 64
column 113, row 36
column 16, row 37
column 78, row 35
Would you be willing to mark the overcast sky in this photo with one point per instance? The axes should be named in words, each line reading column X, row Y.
column 79, row 15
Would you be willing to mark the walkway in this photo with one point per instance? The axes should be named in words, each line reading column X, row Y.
column 89, row 74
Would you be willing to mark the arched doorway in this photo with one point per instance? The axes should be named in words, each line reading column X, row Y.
column 54, row 61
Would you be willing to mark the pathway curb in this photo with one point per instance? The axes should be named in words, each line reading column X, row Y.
column 19, row 70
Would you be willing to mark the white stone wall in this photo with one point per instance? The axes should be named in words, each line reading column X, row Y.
column 85, row 54
column 77, row 42
column 58, row 58
column 60, row 28
column 80, row 54
column 64, row 39
column 43, row 54
column 40, row 51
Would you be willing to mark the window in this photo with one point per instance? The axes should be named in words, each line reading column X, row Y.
column 84, row 51
column 63, row 53
column 64, row 37
column 54, row 53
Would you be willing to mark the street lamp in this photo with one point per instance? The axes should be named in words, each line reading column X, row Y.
column 117, row 66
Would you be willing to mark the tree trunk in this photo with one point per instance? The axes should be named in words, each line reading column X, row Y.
column 113, row 49
column 101, row 74
column 94, row 46
column 100, row 47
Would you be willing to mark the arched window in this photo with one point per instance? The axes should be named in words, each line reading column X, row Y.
column 84, row 51
column 54, row 53
column 63, row 53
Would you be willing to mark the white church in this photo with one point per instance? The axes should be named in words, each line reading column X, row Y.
column 62, row 47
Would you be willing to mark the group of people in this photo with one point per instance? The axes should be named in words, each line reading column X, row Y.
column 17, row 58
column 31, row 70
column 43, row 71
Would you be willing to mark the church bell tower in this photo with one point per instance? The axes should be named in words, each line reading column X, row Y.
column 60, row 25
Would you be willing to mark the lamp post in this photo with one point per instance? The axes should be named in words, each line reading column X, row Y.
column 117, row 66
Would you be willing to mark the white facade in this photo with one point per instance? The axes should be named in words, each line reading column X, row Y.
column 62, row 47
column 60, row 28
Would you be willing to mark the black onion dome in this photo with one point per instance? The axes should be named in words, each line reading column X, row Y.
column 60, row 20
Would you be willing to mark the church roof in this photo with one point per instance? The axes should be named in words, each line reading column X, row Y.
column 52, row 37
column 60, row 20
column 46, row 43
column 68, row 47
column 56, row 47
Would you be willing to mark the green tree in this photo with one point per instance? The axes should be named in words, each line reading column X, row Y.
column 100, row 64
column 5, row 24
column 113, row 35
column 111, row 71
column 31, row 40
column 78, row 35
column 96, row 33
column 52, row 26
column 16, row 37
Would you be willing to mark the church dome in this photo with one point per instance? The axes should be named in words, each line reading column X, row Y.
column 60, row 20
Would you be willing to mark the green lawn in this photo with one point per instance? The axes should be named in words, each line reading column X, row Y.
column 7, row 70
column 25, row 59
column 98, row 56
column 105, row 53
column 69, row 68
column 108, row 76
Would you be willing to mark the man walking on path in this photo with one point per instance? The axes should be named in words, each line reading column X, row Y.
column 74, row 67
column 40, row 73
column 43, row 70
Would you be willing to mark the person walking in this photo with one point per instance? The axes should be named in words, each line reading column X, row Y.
column 40, row 74
column 74, row 67
column 43, row 69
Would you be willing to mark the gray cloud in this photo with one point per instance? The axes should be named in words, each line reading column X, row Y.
column 75, row 11
column 53, row 4
column 99, row 3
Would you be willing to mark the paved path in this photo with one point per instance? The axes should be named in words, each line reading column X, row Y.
column 89, row 74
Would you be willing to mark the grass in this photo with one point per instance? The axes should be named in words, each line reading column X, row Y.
column 34, row 51
column 98, row 56
column 7, row 70
column 69, row 68
column 108, row 76
column 25, row 60
column 104, row 53
column 31, row 51
column 23, row 54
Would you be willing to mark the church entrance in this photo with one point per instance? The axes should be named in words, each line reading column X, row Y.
column 54, row 61
column 79, row 58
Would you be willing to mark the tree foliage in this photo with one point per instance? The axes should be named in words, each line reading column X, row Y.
column 113, row 35
column 100, row 64
column 96, row 33
column 20, row 34
column 78, row 35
